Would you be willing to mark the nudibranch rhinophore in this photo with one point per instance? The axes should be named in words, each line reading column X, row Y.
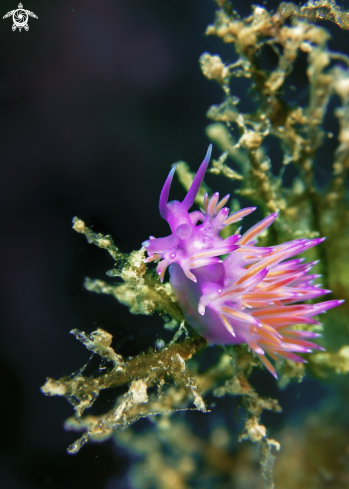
column 254, row 295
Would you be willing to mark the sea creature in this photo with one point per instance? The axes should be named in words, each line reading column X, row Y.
column 20, row 18
column 252, row 295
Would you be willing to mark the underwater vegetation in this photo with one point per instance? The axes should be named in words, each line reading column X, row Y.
column 257, row 300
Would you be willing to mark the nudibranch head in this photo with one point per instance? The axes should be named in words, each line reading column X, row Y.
column 254, row 295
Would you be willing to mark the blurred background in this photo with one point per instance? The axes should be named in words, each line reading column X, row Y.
column 97, row 100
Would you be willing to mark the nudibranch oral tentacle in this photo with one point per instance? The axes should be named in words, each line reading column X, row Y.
column 254, row 294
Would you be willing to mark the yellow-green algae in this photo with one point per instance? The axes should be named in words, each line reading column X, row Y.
column 314, row 454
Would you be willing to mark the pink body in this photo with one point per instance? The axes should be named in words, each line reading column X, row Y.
column 252, row 296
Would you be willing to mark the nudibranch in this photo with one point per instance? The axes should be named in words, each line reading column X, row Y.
column 252, row 295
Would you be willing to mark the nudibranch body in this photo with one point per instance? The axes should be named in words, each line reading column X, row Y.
column 253, row 295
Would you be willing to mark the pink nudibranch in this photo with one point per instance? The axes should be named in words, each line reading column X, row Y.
column 254, row 295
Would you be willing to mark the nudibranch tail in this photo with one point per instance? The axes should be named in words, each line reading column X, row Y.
column 239, row 292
